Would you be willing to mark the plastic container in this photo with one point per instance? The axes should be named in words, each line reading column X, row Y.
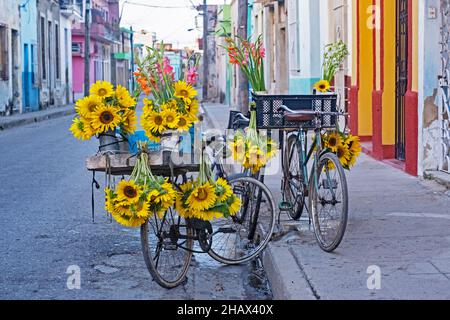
column 268, row 115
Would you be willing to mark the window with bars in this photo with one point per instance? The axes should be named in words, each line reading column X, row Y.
column 4, row 54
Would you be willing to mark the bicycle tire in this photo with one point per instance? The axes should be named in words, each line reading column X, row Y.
column 289, row 186
column 148, row 243
column 249, row 248
column 319, row 224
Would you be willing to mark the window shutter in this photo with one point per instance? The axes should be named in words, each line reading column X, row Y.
column 293, row 36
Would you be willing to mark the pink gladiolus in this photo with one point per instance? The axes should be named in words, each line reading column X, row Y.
column 192, row 76
column 262, row 52
column 168, row 69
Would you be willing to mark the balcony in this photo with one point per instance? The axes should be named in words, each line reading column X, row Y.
column 72, row 8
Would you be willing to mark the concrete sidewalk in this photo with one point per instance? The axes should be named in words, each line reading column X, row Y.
column 399, row 225
column 8, row 122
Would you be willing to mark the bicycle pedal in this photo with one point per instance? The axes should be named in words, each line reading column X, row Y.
column 285, row 206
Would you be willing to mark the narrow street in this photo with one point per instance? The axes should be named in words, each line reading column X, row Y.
column 47, row 227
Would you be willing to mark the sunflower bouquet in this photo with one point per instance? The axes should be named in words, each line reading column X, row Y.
column 104, row 110
column 173, row 105
column 133, row 201
column 205, row 198
column 346, row 146
column 251, row 149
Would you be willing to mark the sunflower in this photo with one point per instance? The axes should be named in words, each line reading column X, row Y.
column 128, row 192
column 103, row 89
column 79, row 130
column 333, row 140
column 202, row 197
column 207, row 215
column 143, row 210
column 192, row 110
column 354, row 146
column 105, row 118
column 322, row 86
column 271, row 148
column 129, row 122
column 238, row 149
column 86, row 106
column 234, row 206
column 148, row 105
column 109, row 203
column 223, row 190
column 154, row 122
column 170, row 118
column 184, row 123
column 343, row 154
column 154, row 136
column 129, row 221
column 184, row 91
column 170, row 105
column 124, row 97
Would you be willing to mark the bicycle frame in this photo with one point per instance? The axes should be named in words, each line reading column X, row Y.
column 305, row 157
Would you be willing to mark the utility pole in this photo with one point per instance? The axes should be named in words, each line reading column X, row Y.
column 132, row 58
column 205, row 50
column 87, row 48
column 243, row 88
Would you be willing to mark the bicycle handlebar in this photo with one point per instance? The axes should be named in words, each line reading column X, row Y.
column 312, row 112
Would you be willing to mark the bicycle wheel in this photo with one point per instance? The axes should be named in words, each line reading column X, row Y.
column 293, row 181
column 166, row 254
column 329, row 202
column 241, row 238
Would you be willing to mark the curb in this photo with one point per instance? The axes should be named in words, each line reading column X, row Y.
column 287, row 283
column 38, row 118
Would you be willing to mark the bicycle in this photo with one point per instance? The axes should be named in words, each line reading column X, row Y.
column 168, row 243
column 325, row 186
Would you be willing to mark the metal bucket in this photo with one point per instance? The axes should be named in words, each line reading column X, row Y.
column 108, row 141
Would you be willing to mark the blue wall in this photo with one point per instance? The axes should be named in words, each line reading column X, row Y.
column 29, row 45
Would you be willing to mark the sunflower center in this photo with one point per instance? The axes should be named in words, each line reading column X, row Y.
column 322, row 87
column 182, row 122
column 202, row 194
column 158, row 120
column 332, row 141
column 92, row 106
column 340, row 152
column 184, row 93
column 170, row 118
column 102, row 92
column 106, row 117
column 130, row 192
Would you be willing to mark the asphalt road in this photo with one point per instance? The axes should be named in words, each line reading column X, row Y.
column 46, row 229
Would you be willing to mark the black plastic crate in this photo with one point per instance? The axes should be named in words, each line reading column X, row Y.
column 269, row 117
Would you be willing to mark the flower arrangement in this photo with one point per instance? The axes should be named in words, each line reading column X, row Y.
column 133, row 201
column 251, row 149
column 334, row 56
column 249, row 56
column 346, row 146
column 174, row 104
column 205, row 198
column 105, row 109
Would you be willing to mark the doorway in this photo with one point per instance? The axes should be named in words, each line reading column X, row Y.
column 401, row 78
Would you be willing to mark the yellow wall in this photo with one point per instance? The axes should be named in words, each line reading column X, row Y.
column 390, row 17
column 365, row 70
